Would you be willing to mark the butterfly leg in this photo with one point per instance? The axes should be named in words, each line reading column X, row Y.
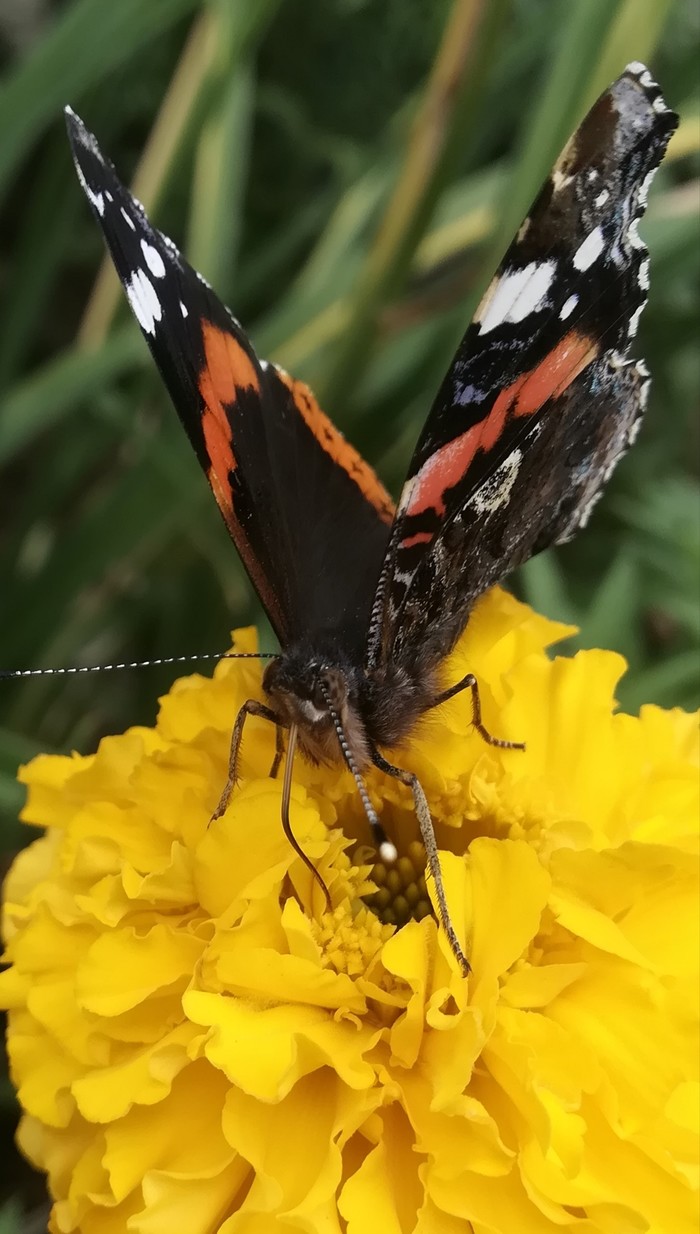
column 251, row 708
column 279, row 752
column 286, row 823
column 470, row 683
column 425, row 823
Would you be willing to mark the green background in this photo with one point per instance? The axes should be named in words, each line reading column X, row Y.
column 346, row 173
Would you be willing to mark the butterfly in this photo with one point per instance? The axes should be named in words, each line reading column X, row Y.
column 540, row 402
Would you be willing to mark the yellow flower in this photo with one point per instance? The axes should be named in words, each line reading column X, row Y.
column 199, row 1045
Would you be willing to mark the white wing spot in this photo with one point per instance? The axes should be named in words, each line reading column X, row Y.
column 633, row 236
column 144, row 301
column 643, row 190
column 568, row 307
column 634, row 320
column 590, row 250
column 128, row 219
column 601, row 198
column 183, row 309
column 517, row 294
column 495, row 492
column 97, row 199
column 634, row 431
column 640, row 71
column 644, row 274
column 585, row 515
column 560, row 179
column 154, row 261
column 169, row 244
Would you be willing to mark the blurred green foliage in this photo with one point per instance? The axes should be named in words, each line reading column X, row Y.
column 294, row 149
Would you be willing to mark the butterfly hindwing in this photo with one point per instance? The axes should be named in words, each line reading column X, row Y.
column 541, row 399
column 309, row 518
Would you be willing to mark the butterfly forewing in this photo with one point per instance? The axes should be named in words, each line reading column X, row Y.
column 540, row 400
column 309, row 518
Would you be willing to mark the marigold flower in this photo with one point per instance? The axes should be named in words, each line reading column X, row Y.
column 199, row 1045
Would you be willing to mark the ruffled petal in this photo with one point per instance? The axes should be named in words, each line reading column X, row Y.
column 201, row 1043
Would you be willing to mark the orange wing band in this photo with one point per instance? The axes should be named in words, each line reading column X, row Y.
column 528, row 394
column 340, row 450
column 227, row 369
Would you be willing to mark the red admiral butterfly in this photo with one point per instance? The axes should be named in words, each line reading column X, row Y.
column 537, row 407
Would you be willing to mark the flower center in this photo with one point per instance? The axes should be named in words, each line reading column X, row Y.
column 401, row 893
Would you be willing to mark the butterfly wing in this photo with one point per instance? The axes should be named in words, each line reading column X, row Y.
column 541, row 400
column 308, row 516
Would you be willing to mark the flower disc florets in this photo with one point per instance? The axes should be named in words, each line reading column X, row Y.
column 201, row 1047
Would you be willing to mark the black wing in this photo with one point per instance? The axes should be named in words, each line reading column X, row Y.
column 541, row 400
column 308, row 516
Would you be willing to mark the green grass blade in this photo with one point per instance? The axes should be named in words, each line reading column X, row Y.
column 634, row 35
column 130, row 520
column 581, row 38
column 37, row 256
column 86, row 40
column 674, row 681
column 610, row 620
column 62, row 387
column 542, row 583
column 219, row 183
column 444, row 119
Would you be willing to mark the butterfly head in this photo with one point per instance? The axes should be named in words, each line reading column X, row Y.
column 308, row 690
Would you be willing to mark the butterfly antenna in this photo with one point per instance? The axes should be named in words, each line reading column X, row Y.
column 7, row 673
column 286, row 824
column 387, row 851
